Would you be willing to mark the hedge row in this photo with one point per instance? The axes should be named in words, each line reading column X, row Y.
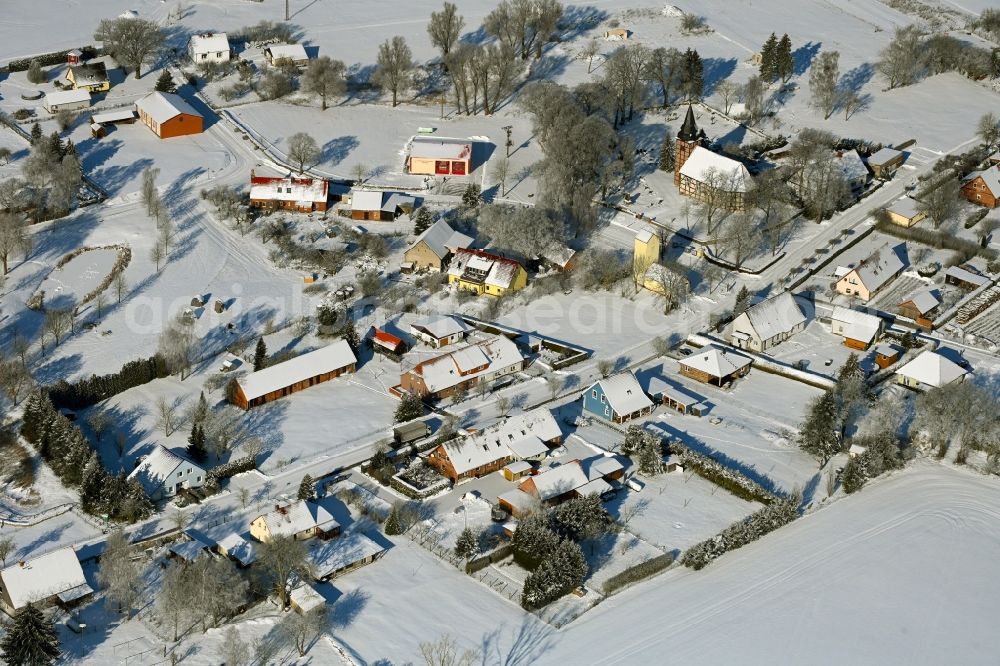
column 49, row 59
column 639, row 572
column 480, row 563
column 721, row 475
column 232, row 468
column 90, row 391
column 939, row 239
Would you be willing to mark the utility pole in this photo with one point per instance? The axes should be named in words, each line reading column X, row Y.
column 286, row 10
column 507, row 129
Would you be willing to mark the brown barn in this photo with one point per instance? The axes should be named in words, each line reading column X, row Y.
column 380, row 206
column 884, row 163
column 294, row 375
column 168, row 115
column 983, row 187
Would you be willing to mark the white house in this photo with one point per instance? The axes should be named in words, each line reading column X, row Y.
column 440, row 331
column 68, row 100
column 930, row 370
column 163, row 474
column 768, row 323
column 209, row 47
column 43, row 580
column 859, row 329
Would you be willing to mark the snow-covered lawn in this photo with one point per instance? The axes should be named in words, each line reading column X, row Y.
column 65, row 287
column 822, row 351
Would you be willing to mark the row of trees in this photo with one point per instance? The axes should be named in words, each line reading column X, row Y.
column 63, row 446
column 911, row 55
column 753, row 527
column 834, row 412
column 95, row 388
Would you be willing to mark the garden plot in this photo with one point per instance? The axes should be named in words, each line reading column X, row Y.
column 68, row 285
column 986, row 325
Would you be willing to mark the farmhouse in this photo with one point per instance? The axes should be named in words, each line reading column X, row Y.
column 905, row 212
column 884, row 163
column 962, row 276
column 859, row 329
column 439, row 156
column 299, row 520
column 380, row 206
column 527, row 436
column 295, row 54
column 440, row 331
column 485, row 273
column 920, row 307
column 463, row 369
column 163, row 474
column 55, row 577
column 713, row 365
column 872, row 274
column 434, row 246
column 168, row 115
column 303, row 195
column 209, row 47
column 294, row 375
column 92, row 77
column 699, row 173
column 66, row 100
column 930, row 370
column 336, row 557
column 618, row 398
column 768, row 323
column 983, row 187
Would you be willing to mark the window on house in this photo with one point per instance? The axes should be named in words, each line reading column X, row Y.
column 593, row 394
column 606, row 412
column 602, row 399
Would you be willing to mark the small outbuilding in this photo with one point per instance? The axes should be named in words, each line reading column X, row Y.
column 337, row 557
column 921, row 308
column 66, row 100
column 965, row 278
column 886, row 355
column 53, row 578
column 380, row 206
column 440, row 331
column 883, row 164
column 277, row 54
column 439, row 156
column 517, row 470
column 905, row 212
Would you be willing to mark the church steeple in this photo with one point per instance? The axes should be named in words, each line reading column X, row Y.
column 689, row 130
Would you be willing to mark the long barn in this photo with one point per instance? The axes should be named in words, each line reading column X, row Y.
column 294, row 375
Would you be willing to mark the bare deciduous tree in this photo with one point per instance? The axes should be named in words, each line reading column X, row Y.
column 7, row 546
column 324, row 77
column 823, row 77
column 14, row 237
column 395, row 67
column 444, row 28
column 283, row 557
column 445, row 652
column 728, row 91
column 57, row 323
column 176, row 344
column 590, row 51
column 303, row 150
column 900, row 61
column 301, row 629
column 501, row 172
column 132, row 41
column 119, row 573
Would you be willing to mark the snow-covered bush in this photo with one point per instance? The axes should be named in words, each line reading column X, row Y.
column 560, row 573
column 779, row 512
column 639, row 572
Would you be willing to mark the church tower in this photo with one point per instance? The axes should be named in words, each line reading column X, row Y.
column 687, row 139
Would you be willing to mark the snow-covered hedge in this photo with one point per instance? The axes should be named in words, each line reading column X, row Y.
column 232, row 468
column 778, row 513
column 639, row 572
column 722, row 475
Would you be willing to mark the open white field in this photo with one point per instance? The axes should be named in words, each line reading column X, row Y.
column 900, row 573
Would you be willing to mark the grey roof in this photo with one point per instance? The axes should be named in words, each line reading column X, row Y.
column 161, row 106
column 774, row 316
column 624, row 393
column 880, row 267
column 442, row 239
column 924, row 301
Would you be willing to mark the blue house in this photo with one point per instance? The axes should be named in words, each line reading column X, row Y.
column 617, row 399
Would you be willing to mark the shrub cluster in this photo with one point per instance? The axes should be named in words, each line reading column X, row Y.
column 232, row 468
column 90, row 391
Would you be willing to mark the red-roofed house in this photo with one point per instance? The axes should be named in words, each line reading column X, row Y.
column 303, row 195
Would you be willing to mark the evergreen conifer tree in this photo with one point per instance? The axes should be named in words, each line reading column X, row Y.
column 467, row 544
column 768, row 59
column 820, row 431
column 350, row 334
column 36, row 133
column 423, row 220
column 307, row 488
column 55, row 145
column 70, row 149
column 784, row 61
column 743, row 297
column 196, row 444
column 393, row 524
column 693, row 76
column 165, row 83
column 30, row 639
column 410, row 407
column 471, row 197
column 260, row 355
column 666, row 162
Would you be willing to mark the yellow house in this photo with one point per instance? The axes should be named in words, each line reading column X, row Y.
column 92, row 77
column 485, row 273
column 299, row 520
column 646, row 255
column 871, row 275
column 905, row 212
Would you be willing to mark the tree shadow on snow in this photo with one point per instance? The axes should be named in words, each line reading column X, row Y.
column 804, row 55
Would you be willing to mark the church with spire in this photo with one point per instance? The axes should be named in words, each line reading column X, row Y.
column 700, row 173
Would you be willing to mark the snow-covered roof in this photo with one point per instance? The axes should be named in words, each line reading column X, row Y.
column 522, row 436
column 445, row 371
column 924, row 301
column 440, row 327
column 886, row 350
column 114, row 116
column 157, row 467
column 439, row 147
column 66, row 97
column 932, row 369
column 310, row 190
column 42, row 577
column 884, row 156
column 293, row 52
column 298, row 517
column 774, row 316
column 329, row 557
column 529, row 447
column 852, row 166
column 596, row 486
column 716, row 362
column 471, row 265
column 212, row 42
column 860, row 325
column 702, row 162
column 518, row 466
column 556, row 481
column 161, row 106
column 517, row 498
column 189, row 551
column 963, row 275
column 883, row 265
column 601, row 466
column 624, row 394
column 240, row 549
column 990, row 176
column 558, row 254
column 644, row 236
column 369, row 200
column 306, row 598
column 326, row 359
column 441, row 239
column 905, row 207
